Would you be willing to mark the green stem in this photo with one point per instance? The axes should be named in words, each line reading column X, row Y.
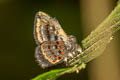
column 96, row 42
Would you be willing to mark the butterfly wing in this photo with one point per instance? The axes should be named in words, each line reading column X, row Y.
column 47, row 28
column 40, row 27
column 51, row 53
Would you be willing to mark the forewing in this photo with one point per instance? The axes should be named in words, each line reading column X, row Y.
column 47, row 28
column 60, row 35
column 41, row 27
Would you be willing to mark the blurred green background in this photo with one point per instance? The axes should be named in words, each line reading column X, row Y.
column 77, row 17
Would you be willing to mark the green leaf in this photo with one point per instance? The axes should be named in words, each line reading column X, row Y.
column 51, row 75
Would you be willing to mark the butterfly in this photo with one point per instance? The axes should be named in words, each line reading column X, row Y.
column 54, row 45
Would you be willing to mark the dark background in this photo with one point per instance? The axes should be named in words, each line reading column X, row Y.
column 17, row 45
